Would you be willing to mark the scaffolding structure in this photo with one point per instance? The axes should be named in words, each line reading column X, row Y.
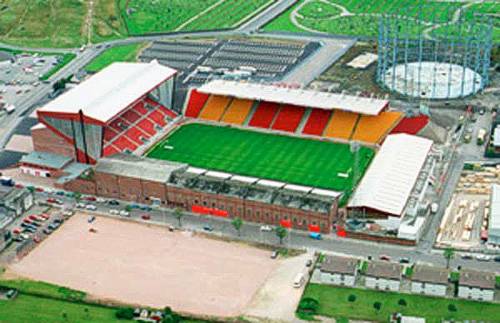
column 434, row 55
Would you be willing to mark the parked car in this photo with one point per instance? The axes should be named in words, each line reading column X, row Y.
column 37, row 239
column 24, row 236
column 497, row 259
column 384, row 257
column 483, row 258
column 114, row 212
column 58, row 221
column 466, row 256
column 171, row 228
column 30, row 229
column 113, row 202
column 315, row 235
column 146, row 208
column 47, row 230
column 45, row 216
column 146, row 217
column 91, row 207
column 208, row 227
column 275, row 254
column 309, row 263
column 124, row 213
column 404, row 260
column 266, row 228
column 80, row 205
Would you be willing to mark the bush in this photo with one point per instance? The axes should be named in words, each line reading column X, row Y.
column 126, row 313
column 452, row 308
column 351, row 298
column 308, row 305
column 402, row 302
column 377, row 306
column 170, row 316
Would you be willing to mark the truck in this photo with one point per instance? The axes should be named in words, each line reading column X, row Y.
column 481, row 135
column 10, row 108
column 6, row 181
column 299, row 280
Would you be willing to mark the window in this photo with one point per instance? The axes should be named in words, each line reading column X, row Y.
column 195, row 201
column 204, row 203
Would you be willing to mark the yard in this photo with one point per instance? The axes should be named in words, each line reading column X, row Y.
column 143, row 264
column 333, row 302
column 276, row 157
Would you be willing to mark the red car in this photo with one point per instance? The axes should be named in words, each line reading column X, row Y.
column 19, row 186
column 28, row 221
column 37, row 239
column 146, row 217
column 39, row 189
column 45, row 216
column 33, row 217
column 90, row 198
column 16, row 231
column 385, row 258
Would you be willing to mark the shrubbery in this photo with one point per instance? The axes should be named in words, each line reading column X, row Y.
column 308, row 305
column 125, row 313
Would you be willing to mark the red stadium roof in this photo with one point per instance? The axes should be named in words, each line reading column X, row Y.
column 109, row 92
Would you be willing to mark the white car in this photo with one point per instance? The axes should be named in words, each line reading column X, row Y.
column 100, row 200
column 483, row 258
column 266, row 228
column 124, row 213
column 80, row 205
column 24, row 236
column 114, row 212
column 91, row 207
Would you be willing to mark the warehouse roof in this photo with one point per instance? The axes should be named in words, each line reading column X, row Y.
column 107, row 93
column 494, row 221
column 388, row 183
column 299, row 97
column 138, row 167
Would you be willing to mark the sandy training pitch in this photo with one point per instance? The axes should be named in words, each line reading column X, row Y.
column 140, row 264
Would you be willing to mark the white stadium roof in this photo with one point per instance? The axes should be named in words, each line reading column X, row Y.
column 388, row 183
column 107, row 93
column 494, row 221
column 299, row 97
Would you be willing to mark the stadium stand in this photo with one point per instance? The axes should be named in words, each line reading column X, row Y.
column 373, row 129
column 341, row 124
column 317, row 121
column 215, row 107
column 147, row 126
column 264, row 115
column 158, row 117
column 411, row 125
column 288, row 118
column 164, row 110
column 196, row 102
column 238, row 111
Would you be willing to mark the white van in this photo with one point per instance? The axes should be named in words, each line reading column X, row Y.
column 299, row 280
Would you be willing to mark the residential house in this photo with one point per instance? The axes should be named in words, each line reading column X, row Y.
column 429, row 280
column 383, row 275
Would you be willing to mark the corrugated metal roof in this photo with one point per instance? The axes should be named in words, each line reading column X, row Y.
column 388, row 183
column 113, row 89
column 44, row 159
column 299, row 97
column 494, row 221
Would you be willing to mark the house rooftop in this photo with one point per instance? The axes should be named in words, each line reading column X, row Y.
column 382, row 269
column 339, row 265
column 430, row 274
column 477, row 279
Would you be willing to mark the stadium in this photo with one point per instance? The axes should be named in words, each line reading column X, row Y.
column 263, row 152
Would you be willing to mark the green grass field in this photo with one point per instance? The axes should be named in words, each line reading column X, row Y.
column 282, row 158
column 125, row 53
column 361, row 17
column 333, row 303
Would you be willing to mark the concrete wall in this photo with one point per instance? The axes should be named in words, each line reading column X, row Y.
column 428, row 289
column 382, row 283
column 476, row 293
column 337, row 279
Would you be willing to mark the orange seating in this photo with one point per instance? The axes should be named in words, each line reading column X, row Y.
column 372, row 129
column 196, row 102
column 341, row 124
column 215, row 107
column 237, row 112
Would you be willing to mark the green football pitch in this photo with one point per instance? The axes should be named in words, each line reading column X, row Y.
column 289, row 159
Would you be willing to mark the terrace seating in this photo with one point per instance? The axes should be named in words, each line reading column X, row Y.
column 237, row 112
column 288, row 118
column 195, row 104
column 372, row 129
column 110, row 150
column 317, row 121
column 123, row 143
column 135, row 135
column 264, row 115
column 109, row 133
column 131, row 116
column 147, row 126
column 411, row 125
column 215, row 107
column 158, row 118
column 341, row 125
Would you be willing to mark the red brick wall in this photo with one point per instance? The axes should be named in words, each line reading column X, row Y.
column 46, row 141
column 81, row 186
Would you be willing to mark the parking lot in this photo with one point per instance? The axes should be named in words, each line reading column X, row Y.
column 147, row 265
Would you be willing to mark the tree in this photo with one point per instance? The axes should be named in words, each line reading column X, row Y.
column 281, row 233
column 170, row 316
column 77, row 196
column 308, row 305
column 351, row 298
column 452, row 308
column 377, row 306
column 125, row 313
column 237, row 224
column 448, row 254
column 178, row 215
column 402, row 302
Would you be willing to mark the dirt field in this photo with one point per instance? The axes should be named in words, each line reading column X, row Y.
column 147, row 265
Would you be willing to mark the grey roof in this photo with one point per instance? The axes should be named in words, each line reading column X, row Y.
column 478, row 279
column 72, row 171
column 382, row 269
column 339, row 265
column 45, row 159
column 138, row 167
column 494, row 221
column 430, row 274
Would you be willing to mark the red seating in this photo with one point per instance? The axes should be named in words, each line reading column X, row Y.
column 411, row 125
column 123, row 143
column 131, row 116
column 147, row 126
column 158, row 118
column 134, row 134
column 139, row 107
column 289, row 118
column 166, row 111
column 110, row 150
column 196, row 102
column 264, row 115
column 109, row 133
column 316, row 124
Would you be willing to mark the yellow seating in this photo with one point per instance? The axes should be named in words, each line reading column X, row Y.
column 215, row 107
column 341, row 124
column 237, row 112
column 372, row 129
